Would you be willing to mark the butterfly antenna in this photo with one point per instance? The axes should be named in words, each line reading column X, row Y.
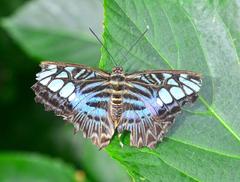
column 95, row 35
column 139, row 38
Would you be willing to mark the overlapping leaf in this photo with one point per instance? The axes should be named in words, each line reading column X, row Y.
column 58, row 30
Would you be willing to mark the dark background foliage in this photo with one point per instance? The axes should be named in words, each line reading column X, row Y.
column 33, row 140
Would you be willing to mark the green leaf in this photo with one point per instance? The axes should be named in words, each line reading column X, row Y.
column 32, row 167
column 56, row 30
column 230, row 14
column 202, row 36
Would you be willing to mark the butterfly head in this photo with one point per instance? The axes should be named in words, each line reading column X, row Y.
column 117, row 70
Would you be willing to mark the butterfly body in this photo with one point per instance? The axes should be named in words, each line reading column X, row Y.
column 98, row 103
column 117, row 84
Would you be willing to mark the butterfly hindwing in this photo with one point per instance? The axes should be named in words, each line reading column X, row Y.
column 78, row 94
column 151, row 101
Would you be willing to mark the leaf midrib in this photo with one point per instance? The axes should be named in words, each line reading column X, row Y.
column 166, row 61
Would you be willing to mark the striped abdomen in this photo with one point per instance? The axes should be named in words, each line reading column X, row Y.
column 117, row 84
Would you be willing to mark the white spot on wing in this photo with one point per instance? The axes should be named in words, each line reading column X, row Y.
column 159, row 102
column 165, row 96
column 184, row 75
column 69, row 69
column 144, row 79
column 45, row 80
column 67, row 90
column 156, row 78
column 44, row 74
column 79, row 73
column 90, row 76
column 52, row 66
column 62, row 75
column 196, row 81
column 55, row 85
column 190, row 84
column 166, row 75
column 187, row 90
column 72, row 97
column 172, row 82
column 177, row 93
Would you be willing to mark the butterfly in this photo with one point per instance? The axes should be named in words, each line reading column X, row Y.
column 98, row 103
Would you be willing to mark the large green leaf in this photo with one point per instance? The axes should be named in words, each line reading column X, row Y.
column 32, row 167
column 202, row 36
column 58, row 30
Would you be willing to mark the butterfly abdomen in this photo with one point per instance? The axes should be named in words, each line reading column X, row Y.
column 116, row 107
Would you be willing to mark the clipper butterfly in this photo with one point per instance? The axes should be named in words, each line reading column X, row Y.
column 99, row 103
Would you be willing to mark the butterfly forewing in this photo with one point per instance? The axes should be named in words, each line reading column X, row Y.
column 151, row 101
column 80, row 95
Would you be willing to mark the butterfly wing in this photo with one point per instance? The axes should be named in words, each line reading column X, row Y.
column 78, row 94
column 151, row 101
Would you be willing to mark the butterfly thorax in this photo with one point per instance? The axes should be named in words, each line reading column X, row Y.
column 117, row 81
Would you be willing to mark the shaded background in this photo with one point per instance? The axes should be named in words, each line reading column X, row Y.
column 25, row 127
